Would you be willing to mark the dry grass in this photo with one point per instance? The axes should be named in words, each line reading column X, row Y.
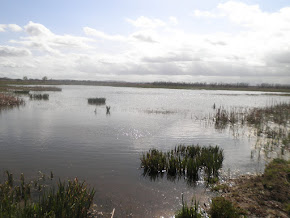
column 10, row 101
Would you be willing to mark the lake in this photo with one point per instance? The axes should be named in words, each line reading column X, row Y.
column 71, row 138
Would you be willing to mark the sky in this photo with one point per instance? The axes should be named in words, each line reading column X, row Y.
column 229, row 41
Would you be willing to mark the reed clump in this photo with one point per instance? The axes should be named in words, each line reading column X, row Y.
column 185, row 161
column 10, row 101
column 96, row 100
column 222, row 117
column 39, row 97
column 189, row 211
column 71, row 199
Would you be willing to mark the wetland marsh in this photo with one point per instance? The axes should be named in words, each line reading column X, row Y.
column 72, row 138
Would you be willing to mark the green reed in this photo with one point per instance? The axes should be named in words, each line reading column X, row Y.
column 185, row 161
column 68, row 199
column 188, row 211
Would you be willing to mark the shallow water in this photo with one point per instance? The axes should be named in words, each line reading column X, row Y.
column 65, row 135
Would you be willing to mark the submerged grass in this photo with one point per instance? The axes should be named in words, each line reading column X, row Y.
column 97, row 101
column 269, row 124
column 39, row 97
column 71, row 199
column 184, row 161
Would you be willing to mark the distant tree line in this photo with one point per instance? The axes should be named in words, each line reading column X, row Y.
column 225, row 85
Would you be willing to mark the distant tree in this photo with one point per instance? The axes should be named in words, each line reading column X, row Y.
column 44, row 78
column 25, row 78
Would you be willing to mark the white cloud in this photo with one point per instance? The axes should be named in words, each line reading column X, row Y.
column 145, row 22
column 42, row 39
column 207, row 14
column 173, row 20
column 11, row 27
column 160, row 50
column 14, row 27
column 6, row 51
column 2, row 27
column 93, row 32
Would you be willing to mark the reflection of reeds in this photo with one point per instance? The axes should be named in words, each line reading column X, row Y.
column 184, row 161
column 9, row 101
column 39, row 97
column 96, row 100
column 71, row 199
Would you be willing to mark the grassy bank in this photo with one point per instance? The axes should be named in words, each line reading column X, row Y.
column 264, row 195
column 7, row 87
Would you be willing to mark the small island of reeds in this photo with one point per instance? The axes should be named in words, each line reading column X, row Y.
column 97, row 101
column 185, row 161
column 39, row 97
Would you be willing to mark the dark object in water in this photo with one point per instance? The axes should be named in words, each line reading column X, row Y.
column 96, row 101
column 39, row 97
column 108, row 109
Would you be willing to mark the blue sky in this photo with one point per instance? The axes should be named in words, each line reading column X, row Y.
column 207, row 41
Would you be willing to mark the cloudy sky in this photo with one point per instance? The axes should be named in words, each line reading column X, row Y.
column 146, row 40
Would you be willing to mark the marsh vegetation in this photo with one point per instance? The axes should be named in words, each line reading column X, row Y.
column 33, row 199
column 270, row 124
column 12, row 88
column 7, row 100
column 185, row 161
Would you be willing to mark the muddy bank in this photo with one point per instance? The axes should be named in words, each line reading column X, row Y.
column 266, row 195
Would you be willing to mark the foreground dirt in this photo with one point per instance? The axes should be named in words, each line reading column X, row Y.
column 266, row 195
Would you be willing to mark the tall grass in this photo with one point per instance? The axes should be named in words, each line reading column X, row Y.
column 188, row 211
column 184, row 161
column 68, row 199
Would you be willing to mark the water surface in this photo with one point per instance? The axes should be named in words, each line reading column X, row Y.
column 71, row 138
